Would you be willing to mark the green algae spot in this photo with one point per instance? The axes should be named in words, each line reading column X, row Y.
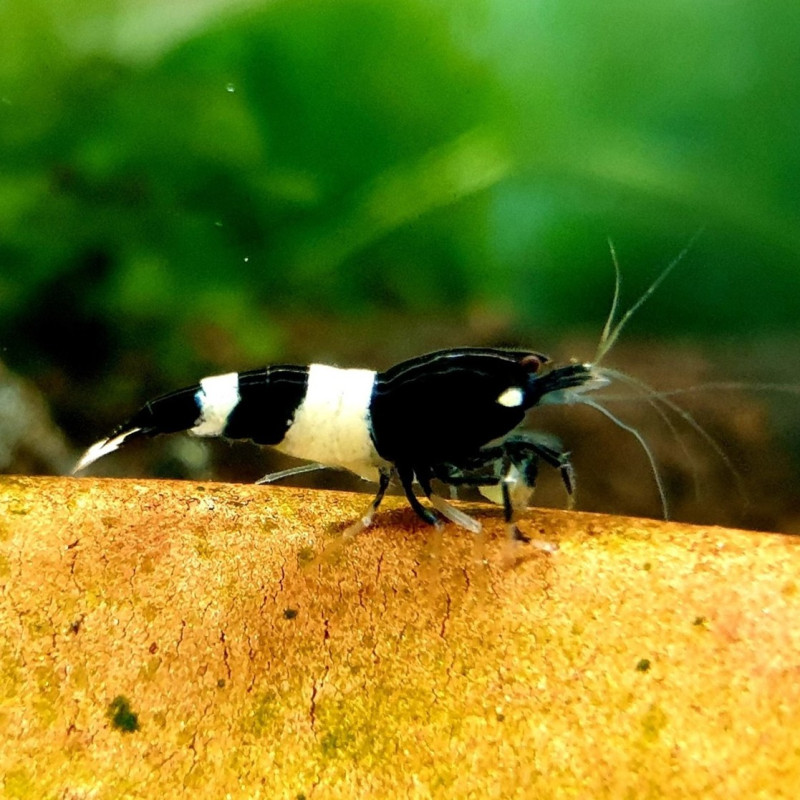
column 148, row 671
column 38, row 625
column 46, row 700
column 263, row 714
column 653, row 722
column 121, row 716
column 305, row 555
column 340, row 740
column 203, row 548
column 47, row 681
column 10, row 673
column 195, row 778
column 355, row 726
column 79, row 678
column 643, row 665
column 18, row 784
column 289, row 613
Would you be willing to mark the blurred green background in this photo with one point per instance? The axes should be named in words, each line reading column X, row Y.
column 194, row 187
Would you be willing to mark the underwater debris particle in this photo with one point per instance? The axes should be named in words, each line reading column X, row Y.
column 121, row 716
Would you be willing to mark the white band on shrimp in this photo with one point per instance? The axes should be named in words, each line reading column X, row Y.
column 216, row 398
column 331, row 425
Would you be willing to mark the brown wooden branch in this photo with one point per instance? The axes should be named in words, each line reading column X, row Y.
column 163, row 636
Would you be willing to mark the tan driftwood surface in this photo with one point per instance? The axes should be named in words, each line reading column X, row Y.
column 161, row 638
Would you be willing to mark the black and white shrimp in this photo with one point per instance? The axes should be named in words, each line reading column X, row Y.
column 447, row 415
column 452, row 415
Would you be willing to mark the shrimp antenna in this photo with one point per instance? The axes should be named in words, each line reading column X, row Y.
column 653, row 399
column 662, row 492
column 654, row 396
column 601, row 351
column 728, row 386
column 611, row 331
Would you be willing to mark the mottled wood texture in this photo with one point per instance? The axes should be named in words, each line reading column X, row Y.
column 163, row 636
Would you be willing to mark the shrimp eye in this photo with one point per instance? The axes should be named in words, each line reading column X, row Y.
column 533, row 363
